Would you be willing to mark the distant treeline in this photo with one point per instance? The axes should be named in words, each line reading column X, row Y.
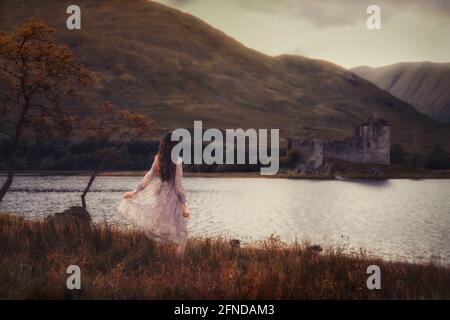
column 138, row 155
column 82, row 155
column 436, row 159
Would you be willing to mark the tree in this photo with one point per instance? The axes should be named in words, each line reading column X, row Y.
column 416, row 160
column 437, row 159
column 110, row 124
column 36, row 77
column 397, row 154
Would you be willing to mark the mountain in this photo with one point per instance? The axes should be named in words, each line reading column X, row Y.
column 424, row 85
column 176, row 69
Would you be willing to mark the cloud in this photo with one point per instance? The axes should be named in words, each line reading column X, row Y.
column 333, row 30
column 327, row 13
column 178, row 2
column 332, row 13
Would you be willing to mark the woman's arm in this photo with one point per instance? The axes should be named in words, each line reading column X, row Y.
column 179, row 188
column 146, row 180
column 178, row 185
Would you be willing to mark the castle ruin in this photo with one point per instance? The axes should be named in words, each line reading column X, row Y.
column 369, row 144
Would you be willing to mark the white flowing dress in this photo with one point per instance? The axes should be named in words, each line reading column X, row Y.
column 157, row 206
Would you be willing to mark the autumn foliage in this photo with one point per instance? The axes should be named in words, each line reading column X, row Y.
column 37, row 75
column 111, row 124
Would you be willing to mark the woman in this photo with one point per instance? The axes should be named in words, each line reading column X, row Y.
column 158, row 204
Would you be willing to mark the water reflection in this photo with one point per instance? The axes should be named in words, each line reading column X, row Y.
column 370, row 183
column 397, row 219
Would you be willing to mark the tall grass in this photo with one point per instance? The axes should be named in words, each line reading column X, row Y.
column 118, row 264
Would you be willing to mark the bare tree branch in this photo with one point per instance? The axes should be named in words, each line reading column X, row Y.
column 6, row 133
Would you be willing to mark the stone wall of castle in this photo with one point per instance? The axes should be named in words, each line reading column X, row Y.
column 370, row 144
column 309, row 152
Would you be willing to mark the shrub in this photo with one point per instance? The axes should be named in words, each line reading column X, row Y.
column 437, row 159
column 398, row 155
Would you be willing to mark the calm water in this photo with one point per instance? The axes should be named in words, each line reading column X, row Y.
column 395, row 219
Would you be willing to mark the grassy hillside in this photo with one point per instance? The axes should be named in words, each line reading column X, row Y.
column 126, row 265
column 425, row 85
column 176, row 69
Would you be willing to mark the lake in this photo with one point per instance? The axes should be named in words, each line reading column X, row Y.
column 393, row 219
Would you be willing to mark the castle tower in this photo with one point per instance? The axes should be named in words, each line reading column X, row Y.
column 370, row 144
column 375, row 134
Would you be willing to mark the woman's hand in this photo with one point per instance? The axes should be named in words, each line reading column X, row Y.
column 129, row 194
column 186, row 211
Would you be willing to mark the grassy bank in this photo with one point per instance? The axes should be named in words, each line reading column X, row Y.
column 126, row 265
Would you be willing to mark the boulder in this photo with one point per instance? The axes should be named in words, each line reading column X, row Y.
column 376, row 172
column 315, row 249
column 235, row 243
column 73, row 216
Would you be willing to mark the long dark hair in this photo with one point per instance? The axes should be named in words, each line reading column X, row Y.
column 166, row 166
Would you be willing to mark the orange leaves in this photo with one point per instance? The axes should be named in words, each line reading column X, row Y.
column 107, row 123
column 31, row 56
column 35, row 29
column 107, row 107
column 48, row 126
column 38, row 74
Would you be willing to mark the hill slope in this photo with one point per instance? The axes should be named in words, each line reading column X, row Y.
column 424, row 85
column 177, row 69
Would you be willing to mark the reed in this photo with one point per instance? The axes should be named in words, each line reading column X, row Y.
column 124, row 264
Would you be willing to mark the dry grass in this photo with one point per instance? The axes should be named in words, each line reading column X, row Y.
column 126, row 265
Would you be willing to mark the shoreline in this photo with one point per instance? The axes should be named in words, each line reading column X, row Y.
column 280, row 175
column 355, row 252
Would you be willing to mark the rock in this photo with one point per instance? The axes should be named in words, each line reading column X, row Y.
column 235, row 243
column 376, row 172
column 72, row 216
column 314, row 249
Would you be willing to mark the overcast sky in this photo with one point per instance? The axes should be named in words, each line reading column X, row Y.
column 334, row 30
